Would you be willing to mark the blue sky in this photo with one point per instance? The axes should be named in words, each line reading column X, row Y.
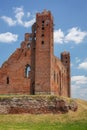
column 70, row 33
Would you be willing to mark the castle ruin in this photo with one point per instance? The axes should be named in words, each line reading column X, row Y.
column 33, row 68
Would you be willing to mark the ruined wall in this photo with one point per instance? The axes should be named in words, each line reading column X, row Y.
column 14, row 77
column 59, row 82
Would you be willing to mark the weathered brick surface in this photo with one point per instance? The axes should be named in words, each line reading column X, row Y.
column 36, row 105
column 47, row 73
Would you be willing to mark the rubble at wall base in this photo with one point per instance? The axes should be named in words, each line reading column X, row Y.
column 36, row 105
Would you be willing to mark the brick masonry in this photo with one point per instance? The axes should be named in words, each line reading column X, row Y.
column 36, row 105
column 33, row 68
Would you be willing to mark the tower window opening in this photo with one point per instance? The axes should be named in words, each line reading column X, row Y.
column 42, row 21
column 66, row 61
column 42, row 42
column 27, row 71
column 42, row 28
column 7, row 80
column 42, row 35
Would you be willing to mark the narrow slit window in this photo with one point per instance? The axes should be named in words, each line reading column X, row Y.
column 7, row 80
column 57, row 78
column 54, row 76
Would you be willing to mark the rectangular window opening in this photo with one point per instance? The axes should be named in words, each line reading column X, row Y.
column 42, row 35
column 42, row 28
column 42, row 21
column 42, row 42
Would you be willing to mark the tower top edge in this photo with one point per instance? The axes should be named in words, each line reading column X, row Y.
column 65, row 53
column 44, row 12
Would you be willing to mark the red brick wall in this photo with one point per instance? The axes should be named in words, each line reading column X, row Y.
column 65, row 58
column 59, row 82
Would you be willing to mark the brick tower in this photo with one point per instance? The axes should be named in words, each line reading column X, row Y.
column 44, row 52
column 65, row 58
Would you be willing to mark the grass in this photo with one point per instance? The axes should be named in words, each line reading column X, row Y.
column 69, row 121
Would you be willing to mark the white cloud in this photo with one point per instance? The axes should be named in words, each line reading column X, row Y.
column 79, row 91
column 58, row 36
column 74, row 35
column 8, row 37
column 9, row 20
column 29, row 23
column 79, row 79
column 18, row 9
column 79, row 86
column 19, row 15
column 83, row 65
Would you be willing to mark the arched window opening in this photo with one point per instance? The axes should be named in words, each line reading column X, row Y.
column 7, row 80
column 27, row 71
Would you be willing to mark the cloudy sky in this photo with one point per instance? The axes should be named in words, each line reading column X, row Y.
column 70, row 33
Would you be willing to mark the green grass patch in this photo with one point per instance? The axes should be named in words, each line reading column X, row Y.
column 68, row 121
